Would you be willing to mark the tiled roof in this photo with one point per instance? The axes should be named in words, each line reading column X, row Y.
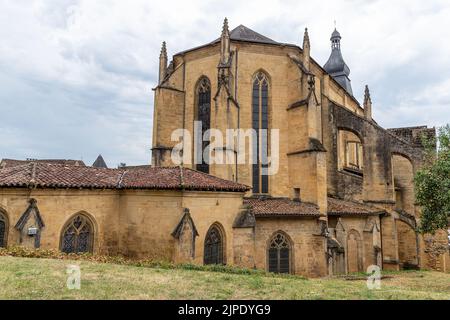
column 44, row 175
column 343, row 207
column 8, row 163
column 266, row 207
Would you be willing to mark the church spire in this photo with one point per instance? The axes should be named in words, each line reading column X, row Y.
column 336, row 65
column 162, row 63
column 225, row 44
column 367, row 104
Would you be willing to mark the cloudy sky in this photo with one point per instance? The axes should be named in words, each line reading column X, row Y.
column 76, row 76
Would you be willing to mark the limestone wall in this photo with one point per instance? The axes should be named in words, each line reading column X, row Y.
column 58, row 206
column 308, row 247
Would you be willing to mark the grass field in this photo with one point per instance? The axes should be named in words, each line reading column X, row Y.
column 25, row 278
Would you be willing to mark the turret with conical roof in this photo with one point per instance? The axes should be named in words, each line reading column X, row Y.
column 336, row 65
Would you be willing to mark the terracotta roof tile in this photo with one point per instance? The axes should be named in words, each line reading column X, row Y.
column 266, row 207
column 344, row 207
column 44, row 175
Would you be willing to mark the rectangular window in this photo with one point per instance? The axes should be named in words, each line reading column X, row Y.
column 398, row 199
column 354, row 155
column 297, row 194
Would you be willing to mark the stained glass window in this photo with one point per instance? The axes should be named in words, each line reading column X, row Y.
column 78, row 236
column 260, row 122
column 214, row 247
column 279, row 254
column 204, row 116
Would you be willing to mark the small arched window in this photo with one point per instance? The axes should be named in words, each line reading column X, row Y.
column 260, row 122
column 3, row 230
column 78, row 235
column 214, row 246
column 203, row 93
column 279, row 254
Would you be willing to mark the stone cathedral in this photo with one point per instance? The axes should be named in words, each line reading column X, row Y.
column 340, row 200
column 343, row 197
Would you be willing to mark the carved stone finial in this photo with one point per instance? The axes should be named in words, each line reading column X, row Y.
column 225, row 27
column 367, row 98
column 367, row 104
column 163, row 50
column 306, row 42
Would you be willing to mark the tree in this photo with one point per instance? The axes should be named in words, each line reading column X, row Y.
column 432, row 183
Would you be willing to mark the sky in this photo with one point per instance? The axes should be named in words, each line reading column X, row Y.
column 76, row 76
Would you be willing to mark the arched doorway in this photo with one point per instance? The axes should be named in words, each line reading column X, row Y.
column 279, row 254
column 78, row 235
column 214, row 253
column 354, row 252
column 3, row 230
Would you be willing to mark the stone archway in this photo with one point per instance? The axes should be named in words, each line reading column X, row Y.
column 403, row 175
column 407, row 245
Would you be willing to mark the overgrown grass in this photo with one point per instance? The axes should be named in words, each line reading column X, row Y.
column 22, row 252
column 119, row 278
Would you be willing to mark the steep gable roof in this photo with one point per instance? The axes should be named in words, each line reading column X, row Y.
column 242, row 33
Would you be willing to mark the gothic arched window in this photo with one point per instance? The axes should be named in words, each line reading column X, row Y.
column 203, row 115
column 3, row 230
column 260, row 121
column 214, row 246
column 78, row 235
column 279, row 254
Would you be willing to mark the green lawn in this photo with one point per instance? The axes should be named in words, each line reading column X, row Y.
column 24, row 278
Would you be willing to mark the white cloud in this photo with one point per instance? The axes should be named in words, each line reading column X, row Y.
column 77, row 74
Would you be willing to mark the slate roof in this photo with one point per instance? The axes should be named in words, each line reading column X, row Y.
column 44, row 175
column 8, row 163
column 336, row 65
column 267, row 207
column 100, row 162
column 339, row 207
column 242, row 33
